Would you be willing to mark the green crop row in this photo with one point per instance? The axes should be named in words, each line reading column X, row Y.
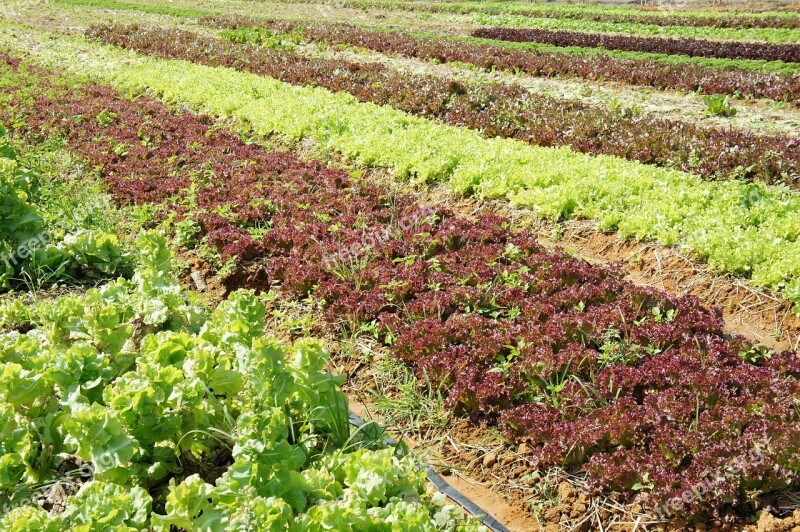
column 747, row 229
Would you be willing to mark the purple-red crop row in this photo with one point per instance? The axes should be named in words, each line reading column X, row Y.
column 646, row 72
column 633, row 385
column 633, row 43
column 496, row 110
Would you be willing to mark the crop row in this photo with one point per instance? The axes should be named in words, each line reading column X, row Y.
column 133, row 407
column 747, row 229
column 761, row 21
column 593, row 13
column 632, row 43
column 154, row 8
column 496, row 110
column 677, row 76
column 717, row 20
column 588, row 368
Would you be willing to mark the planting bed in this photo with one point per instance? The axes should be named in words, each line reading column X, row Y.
column 319, row 179
column 591, row 371
column 744, row 229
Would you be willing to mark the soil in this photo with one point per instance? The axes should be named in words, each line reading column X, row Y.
column 512, row 518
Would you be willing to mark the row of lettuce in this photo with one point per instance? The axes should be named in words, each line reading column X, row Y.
column 763, row 35
column 133, row 406
column 743, row 228
column 144, row 410
column 633, row 43
column 593, row 372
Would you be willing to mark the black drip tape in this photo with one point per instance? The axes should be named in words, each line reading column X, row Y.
column 441, row 484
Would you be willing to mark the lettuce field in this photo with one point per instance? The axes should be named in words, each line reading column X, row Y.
column 549, row 251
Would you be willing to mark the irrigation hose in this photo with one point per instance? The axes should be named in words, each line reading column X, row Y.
column 441, row 484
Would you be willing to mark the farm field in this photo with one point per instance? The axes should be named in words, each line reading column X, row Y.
column 549, row 252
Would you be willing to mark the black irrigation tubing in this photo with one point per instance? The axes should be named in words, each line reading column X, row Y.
column 441, row 484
